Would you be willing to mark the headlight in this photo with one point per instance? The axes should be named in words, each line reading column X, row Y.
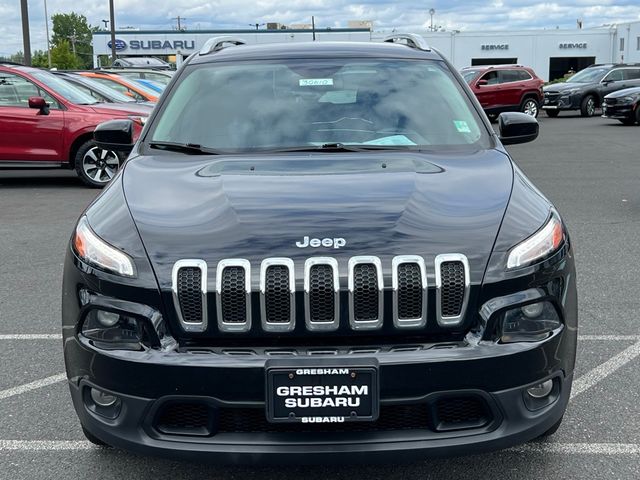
column 571, row 92
column 98, row 253
column 530, row 323
column 629, row 99
column 542, row 243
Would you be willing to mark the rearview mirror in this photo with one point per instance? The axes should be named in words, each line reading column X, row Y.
column 39, row 103
column 115, row 135
column 517, row 128
column 482, row 83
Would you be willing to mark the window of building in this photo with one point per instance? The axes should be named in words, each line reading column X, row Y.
column 622, row 44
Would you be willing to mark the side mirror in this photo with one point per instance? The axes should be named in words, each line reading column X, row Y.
column 39, row 103
column 482, row 83
column 517, row 128
column 115, row 135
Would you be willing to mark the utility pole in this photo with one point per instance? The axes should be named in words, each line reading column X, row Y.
column 257, row 25
column 113, row 31
column 26, row 40
column 106, row 24
column 74, row 39
column 46, row 23
column 179, row 19
column 313, row 27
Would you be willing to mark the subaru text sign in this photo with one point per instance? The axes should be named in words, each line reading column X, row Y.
column 120, row 44
column 162, row 44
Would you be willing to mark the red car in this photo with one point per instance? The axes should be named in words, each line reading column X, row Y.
column 45, row 122
column 505, row 88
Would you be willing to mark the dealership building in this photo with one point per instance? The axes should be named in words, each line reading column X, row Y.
column 551, row 53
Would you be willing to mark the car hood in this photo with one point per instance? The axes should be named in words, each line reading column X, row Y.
column 624, row 92
column 123, row 108
column 563, row 87
column 382, row 204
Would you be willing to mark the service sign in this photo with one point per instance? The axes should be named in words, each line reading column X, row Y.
column 329, row 394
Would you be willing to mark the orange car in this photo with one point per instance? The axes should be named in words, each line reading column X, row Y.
column 123, row 85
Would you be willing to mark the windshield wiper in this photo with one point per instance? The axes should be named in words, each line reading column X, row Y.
column 188, row 148
column 336, row 147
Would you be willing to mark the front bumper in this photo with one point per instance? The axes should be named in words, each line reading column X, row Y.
column 622, row 112
column 556, row 101
column 498, row 374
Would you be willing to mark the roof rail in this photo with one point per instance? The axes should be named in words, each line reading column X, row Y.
column 8, row 62
column 216, row 44
column 411, row 40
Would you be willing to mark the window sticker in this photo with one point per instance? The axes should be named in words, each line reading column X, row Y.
column 316, row 82
column 462, row 126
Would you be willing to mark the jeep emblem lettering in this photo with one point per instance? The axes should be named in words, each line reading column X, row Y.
column 324, row 242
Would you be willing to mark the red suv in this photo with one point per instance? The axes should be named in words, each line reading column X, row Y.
column 45, row 122
column 505, row 88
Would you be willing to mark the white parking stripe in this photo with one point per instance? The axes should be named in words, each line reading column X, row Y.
column 27, row 387
column 41, row 445
column 602, row 371
column 31, row 336
column 548, row 448
column 580, row 448
column 605, row 338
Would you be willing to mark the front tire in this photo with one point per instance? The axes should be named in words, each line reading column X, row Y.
column 554, row 428
column 588, row 106
column 552, row 113
column 93, row 439
column 95, row 166
column 530, row 107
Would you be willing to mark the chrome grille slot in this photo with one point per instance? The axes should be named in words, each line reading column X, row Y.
column 365, row 293
column 321, row 287
column 189, row 286
column 452, row 288
column 277, row 289
column 233, row 289
column 409, row 281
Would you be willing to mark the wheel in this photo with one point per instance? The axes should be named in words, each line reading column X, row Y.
column 552, row 113
column 95, row 166
column 93, row 439
column 554, row 428
column 588, row 106
column 530, row 107
column 638, row 115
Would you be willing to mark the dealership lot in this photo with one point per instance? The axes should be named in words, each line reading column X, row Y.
column 590, row 168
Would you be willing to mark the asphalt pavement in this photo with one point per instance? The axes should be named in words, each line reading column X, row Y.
column 590, row 168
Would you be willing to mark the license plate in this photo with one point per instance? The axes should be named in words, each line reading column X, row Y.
column 322, row 394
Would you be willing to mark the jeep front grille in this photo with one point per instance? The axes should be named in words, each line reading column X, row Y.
column 190, row 294
column 452, row 288
column 322, row 310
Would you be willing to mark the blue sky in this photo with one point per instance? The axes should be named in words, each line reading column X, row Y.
column 404, row 14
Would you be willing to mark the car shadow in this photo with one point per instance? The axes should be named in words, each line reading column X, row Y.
column 39, row 179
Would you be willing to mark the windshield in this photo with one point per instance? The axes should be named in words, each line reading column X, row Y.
column 469, row 75
column 112, row 94
column 589, row 75
column 64, row 88
column 293, row 103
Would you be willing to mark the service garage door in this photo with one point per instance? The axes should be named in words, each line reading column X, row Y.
column 560, row 66
column 493, row 61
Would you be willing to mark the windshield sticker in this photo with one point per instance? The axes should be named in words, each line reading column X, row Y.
column 316, row 82
column 462, row 126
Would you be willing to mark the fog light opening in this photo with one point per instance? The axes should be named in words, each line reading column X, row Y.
column 541, row 390
column 107, row 319
column 103, row 399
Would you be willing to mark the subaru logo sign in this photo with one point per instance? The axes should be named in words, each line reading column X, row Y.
column 120, row 44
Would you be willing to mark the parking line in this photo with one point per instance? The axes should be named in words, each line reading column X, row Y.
column 41, row 445
column 31, row 336
column 27, row 387
column 580, row 448
column 605, row 369
column 616, row 338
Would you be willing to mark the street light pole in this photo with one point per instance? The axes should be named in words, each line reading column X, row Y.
column 113, row 31
column 46, row 23
column 432, row 12
column 26, row 40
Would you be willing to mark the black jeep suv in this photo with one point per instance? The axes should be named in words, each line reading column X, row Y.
column 319, row 252
column 585, row 91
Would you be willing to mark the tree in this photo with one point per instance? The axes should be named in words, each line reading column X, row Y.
column 40, row 59
column 74, row 29
column 63, row 58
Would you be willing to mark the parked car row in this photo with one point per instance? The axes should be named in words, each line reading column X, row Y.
column 47, row 118
column 613, row 87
